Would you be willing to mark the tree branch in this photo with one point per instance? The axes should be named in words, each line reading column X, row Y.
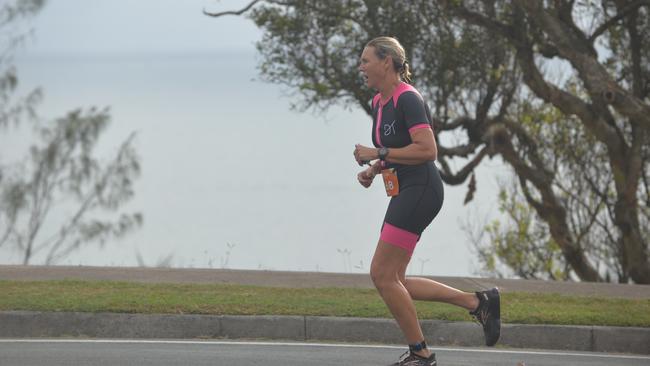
column 532, row 149
column 88, row 201
column 238, row 12
column 460, row 177
column 65, row 231
column 621, row 14
column 646, row 181
column 480, row 20
column 450, row 126
column 7, row 233
column 566, row 102
column 43, row 187
column 583, row 58
column 636, row 47
column 457, row 151
column 591, row 212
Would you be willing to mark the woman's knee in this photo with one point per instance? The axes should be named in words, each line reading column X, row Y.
column 379, row 278
column 401, row 275
column 387, row 264
column 382, row 276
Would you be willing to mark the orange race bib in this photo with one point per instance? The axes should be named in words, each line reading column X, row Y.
column 390, row 182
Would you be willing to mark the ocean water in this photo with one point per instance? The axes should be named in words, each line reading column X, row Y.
column 231, row 177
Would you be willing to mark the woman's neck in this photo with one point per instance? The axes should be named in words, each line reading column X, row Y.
column 388, row 89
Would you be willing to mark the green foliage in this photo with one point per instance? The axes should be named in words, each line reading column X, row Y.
column 313, row 47
column 310, row 53
column 520, row 246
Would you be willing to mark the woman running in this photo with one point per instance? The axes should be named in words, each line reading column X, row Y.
column 404, row 151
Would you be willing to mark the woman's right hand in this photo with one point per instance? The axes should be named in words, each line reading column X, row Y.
column 366, row 176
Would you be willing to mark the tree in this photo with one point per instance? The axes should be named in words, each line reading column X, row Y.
column 608, row 99
column 577, row 143
column 580, row 173
column 61, row 170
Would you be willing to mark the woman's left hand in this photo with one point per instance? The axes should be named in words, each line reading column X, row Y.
column 364, row 154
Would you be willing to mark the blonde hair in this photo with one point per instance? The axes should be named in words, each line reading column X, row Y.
column 390, row 46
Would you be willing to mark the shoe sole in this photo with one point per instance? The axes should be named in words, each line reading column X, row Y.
column 496, row 310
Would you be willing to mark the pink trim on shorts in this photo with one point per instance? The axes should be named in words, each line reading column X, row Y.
column 399, row 237
column 419, row 126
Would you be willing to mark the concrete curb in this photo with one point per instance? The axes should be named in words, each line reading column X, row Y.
column 22, row 324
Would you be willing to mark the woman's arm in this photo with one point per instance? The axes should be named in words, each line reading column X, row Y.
column 422, row 149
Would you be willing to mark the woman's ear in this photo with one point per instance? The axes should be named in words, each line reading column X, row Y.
column 388, row 63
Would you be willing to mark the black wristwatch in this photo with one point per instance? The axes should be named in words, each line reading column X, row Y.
column 383, row 153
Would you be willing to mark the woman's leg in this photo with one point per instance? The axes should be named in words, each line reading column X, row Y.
column 430, row 290
column 385, row 273
column 489, row 315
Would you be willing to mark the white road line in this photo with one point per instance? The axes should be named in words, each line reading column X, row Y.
column 305, row 344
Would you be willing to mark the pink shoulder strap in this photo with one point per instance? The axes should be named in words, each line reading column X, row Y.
column 402, row 88
column 375, row 100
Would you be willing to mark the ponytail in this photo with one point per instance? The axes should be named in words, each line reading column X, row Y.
column 405, row 72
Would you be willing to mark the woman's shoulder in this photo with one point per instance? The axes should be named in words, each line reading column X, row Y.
column 407, row 94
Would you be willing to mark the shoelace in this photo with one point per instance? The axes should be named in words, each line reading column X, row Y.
column 409, row 357
column 402, row 358
column 481, row 316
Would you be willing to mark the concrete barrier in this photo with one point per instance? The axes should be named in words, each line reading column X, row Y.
column 27, row 324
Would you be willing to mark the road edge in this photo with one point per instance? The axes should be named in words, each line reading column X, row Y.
column 30, row 324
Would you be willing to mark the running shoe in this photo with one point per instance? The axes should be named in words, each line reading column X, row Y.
column 488, row 315
column 412, row 359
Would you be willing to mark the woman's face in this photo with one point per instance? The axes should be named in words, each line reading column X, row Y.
column 372, row 67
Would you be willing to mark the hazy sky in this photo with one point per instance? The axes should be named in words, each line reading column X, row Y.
column 109, row 26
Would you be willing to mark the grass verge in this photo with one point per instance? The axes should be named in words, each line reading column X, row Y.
column 130, row 297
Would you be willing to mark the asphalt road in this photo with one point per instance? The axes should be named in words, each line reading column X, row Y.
column 35, row 352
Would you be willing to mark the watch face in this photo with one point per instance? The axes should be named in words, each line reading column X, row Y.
column 383, row 152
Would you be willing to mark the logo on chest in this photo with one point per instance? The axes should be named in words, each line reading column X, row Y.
column 389, row 128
